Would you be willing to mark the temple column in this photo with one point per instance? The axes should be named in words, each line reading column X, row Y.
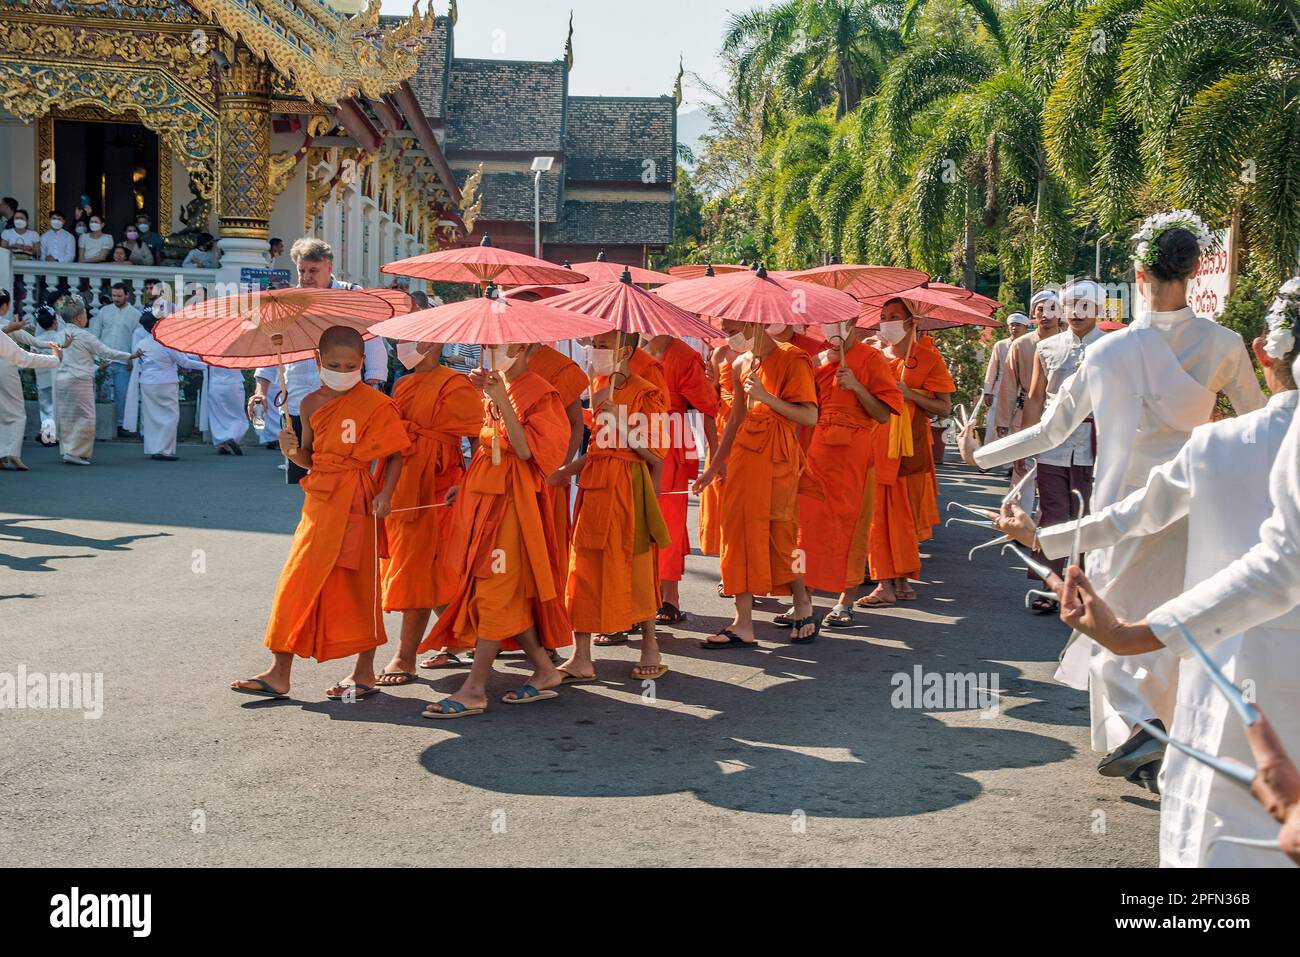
column 244, row 199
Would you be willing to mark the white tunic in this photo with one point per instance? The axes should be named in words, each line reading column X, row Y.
column 993, row 375
column 13, row 413
column 221, row 406
column 1148, row 386
column 1224, row 469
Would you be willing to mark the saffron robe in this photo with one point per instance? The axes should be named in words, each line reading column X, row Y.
column 568, row 379
column 439, row 408
column 688, row 388
column 711, row 497
column 326, row 604
column 503, row 541
column 617, row 526
column 760, row 502
column 834, row 527
column 906, row 488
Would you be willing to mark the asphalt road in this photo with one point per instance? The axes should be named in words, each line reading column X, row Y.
column 159, row 577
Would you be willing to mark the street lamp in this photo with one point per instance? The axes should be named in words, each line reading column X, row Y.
column 541, row 164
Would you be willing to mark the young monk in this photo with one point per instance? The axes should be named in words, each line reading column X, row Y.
column 764, row 463
column 718, row 370
column 503, row 535
column 439, row 407
column 904, row 458
column 568, row 379
column 688, row 388
column 618, row 529
column 326, row 605
column 857, row 391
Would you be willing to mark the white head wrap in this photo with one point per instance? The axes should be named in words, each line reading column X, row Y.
column 1017, row 319
column 1084, row 290
column 1043, row 295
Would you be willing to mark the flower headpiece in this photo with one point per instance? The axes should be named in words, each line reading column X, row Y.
column 69, row 299
column 1153, row 227
column 1283, row 317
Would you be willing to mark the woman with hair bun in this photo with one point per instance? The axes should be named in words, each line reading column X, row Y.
column 1146, row 387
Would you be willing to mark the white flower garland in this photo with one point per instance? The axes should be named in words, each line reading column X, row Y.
column 1153, row 227
column 1283, row 315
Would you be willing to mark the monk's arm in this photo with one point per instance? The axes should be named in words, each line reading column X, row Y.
column 711, row 435
column 392, row 472
column 576, row 426
column 870, row 404
column 940, row 404
column 515, row 431
column 718, row 462
column 298, row 452
column 800, row 413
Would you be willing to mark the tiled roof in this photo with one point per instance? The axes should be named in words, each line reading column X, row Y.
column 508, row 195
column 613, row 222
column 506, row 106
column 621, row 138
column 434, row 67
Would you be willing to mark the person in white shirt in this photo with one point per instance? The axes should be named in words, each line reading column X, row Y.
column 24, row 243
column 74, row 385
column 154, row 298
column 997, row 368
column 95, row 245
column 153, row 380
column 204, row 254
column 273, row 254
column 1149, row 385
column 13, row 413
column 222, row 409
column 57, row 244
column 115, row 325
column 49, row 328
column 314, row 260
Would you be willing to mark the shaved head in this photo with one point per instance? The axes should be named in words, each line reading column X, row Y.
column 342, row 337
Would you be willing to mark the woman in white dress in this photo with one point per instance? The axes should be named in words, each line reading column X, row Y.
column 74, row 385
column 13, row 413
column 154, row 381
column 222, row 409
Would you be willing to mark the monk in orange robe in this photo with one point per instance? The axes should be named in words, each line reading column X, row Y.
column 618, row 530
column 439, row 407
column 326, row 604
column 764, row 463
column 503, row 533
column 688, row 388
column 904, row 450
column 857, row 391
column 568, row 379
column 719, row 372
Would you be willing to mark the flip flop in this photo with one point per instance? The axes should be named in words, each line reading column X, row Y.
column 359, row 691
column 909, row 595
column 606, row 641
column 659, row 672
column 406, row 676
column 571, row 679
column 721, row 593
column 1045, row 606
column 452, row 661
column 670, row 614
column 266, row 691
column 871, row 601
column 841, row 616
column 527, row 694
column 454, row 710
column 733, row 641
column 802, row 622
column 785, row 619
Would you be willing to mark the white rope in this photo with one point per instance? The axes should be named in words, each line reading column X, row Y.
column 378, row 596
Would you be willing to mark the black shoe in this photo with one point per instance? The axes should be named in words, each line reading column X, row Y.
column 123, row 433
column 1133, row 755
column 234, row 447
column 223, row 449
column 160, row 457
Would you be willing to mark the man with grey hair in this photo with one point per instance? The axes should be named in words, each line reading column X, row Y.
column 314, row 260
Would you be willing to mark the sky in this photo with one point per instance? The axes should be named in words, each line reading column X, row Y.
column 621, row 47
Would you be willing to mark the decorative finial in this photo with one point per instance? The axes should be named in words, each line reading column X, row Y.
column 568, row 45
column 708, row 270
column 760, row 271
column 626, row 277
column 677, row 87
column 486, row 240
column 600, row 256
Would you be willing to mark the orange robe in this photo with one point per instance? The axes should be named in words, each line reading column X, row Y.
column 760, row 502
column 919, row 473
column 440, row 407
column 646, row 366
column 894, row 538
column 503, row 533
column 688, row 388
column 617, row 527
column 834, row 527
column 711, row 497
column 326, row 604
column 568, row 379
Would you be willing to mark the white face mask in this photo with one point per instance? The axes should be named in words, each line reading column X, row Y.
column 501, row 360
column 339, row 381
column 738, row 342
column 20, row 224
column 56, row 224
column 143, row 227
column 602, row 361
column 96, row 227
column 776, row 328
column 893, row 331
column 836, row 332
column 409, row 354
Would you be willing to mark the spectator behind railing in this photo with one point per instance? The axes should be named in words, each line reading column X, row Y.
column 8, row 207
column 94, row 245
column 149, row 237
column 23, row 242
column 204, row 254
column 139, row 253
column 57, row 244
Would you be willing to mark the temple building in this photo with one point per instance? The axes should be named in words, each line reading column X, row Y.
column 283, row 118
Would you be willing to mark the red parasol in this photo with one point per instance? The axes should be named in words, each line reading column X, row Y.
column 600, row 270
column 482, row 264
column 269, row 324
column 695, row 271
column 761, row 298
column 490, row 320
column 629, row 308
column 933, row 308
column 533, row 293
column 969, row 297
column 1111, row 325
column 860, row 282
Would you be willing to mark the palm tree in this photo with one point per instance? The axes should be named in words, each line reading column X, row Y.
column 809, row 53
column 1215, row 87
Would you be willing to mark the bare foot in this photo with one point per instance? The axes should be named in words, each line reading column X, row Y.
column 460, row 697
column 586, row 670
column 399, row 671
column 744, row 632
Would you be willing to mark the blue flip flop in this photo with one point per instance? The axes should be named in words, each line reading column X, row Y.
column 452, row 709
column 527, row 694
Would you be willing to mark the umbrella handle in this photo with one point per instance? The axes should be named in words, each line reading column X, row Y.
column 494, row 414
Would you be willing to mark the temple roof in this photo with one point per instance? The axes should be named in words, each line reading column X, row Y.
column 514, row 106
column 613, row 222
column 610, row 139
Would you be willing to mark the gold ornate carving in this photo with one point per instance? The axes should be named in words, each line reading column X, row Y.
column 281, row 170
column 245, row 196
